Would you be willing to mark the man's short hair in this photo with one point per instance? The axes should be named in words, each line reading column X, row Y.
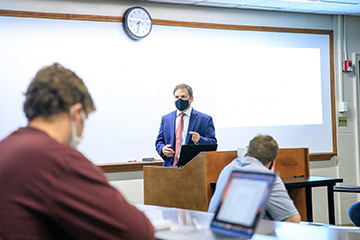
column 184, row 86
column 264, row 148
column 54, row 90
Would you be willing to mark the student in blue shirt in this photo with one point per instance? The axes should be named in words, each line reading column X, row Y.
column 354, row 213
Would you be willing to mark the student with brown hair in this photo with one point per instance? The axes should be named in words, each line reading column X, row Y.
column 49, row 190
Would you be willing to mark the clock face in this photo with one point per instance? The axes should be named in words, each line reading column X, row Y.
column 137, row 22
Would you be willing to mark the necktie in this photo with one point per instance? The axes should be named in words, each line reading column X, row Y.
column 178, row 137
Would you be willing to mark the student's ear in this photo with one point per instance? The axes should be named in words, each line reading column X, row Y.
column 75, row 112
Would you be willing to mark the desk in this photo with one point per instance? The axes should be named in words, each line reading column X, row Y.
column 349, row 189
column 308, row 183
column 267, row 230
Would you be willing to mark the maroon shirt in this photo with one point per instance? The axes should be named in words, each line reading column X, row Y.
column 49, row 190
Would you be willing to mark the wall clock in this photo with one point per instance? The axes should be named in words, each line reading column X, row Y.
column 137, row 23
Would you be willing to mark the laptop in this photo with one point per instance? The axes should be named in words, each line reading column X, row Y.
column 189, row 151
column 240, row 209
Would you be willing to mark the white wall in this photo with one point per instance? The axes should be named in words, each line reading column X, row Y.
column 344, row 166
column 348, row 137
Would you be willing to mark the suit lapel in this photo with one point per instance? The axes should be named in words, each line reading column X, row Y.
column 192, row 124
column 172, row 129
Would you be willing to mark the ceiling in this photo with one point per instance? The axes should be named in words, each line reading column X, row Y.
column 342, row 7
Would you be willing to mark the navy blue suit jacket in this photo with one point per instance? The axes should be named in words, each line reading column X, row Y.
column 199, row 122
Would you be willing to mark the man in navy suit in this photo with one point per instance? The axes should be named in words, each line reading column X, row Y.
column 198, row 128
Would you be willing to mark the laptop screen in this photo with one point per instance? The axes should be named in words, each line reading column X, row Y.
column 243, row 202
column 189, row 151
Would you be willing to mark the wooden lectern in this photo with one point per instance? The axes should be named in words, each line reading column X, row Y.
column 190, row 187
column 187, row 187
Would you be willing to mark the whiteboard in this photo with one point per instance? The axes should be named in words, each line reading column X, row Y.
column 249, row 82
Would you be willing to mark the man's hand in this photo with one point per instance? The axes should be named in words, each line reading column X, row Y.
column 167, row 151
column 195, row 137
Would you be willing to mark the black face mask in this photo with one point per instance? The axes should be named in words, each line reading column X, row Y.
column 182, row 104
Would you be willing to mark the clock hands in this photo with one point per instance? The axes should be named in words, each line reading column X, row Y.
column 138, row 24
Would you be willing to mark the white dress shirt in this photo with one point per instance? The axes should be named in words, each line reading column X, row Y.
column 186, row 124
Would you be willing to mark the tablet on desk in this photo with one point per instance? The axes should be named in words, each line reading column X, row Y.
column 189, row 151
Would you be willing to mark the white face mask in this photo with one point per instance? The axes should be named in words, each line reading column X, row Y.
column 75, row 139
